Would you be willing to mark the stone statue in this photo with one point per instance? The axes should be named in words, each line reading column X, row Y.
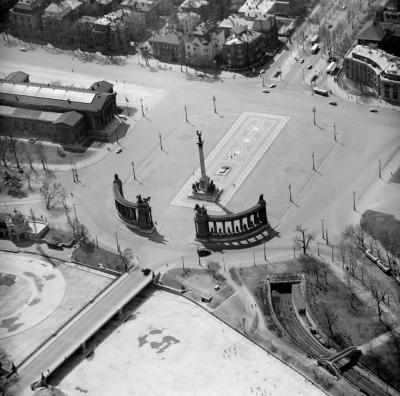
column 139, row 198
column 199, row 136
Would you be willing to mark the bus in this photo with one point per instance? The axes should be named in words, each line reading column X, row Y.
column 331, row 68
column 315, row 48
column 321, row 91
column 315, row 39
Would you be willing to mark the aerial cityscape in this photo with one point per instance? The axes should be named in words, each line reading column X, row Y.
column 200, row 197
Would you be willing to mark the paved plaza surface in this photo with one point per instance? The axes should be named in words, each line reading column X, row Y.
column 172, row 347
column 30, row 290
column 239, row 150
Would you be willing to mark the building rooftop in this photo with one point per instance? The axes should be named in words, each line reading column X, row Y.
column 70, row 118
column 169, row 38
column 234, row 20
column 193, row 4
column 371, row 31
column 385, row 62
column 253, row 8
column 34, row 94
column 16, row 112
column 242, row 35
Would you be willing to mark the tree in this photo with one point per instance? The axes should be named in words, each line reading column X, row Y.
column 355, row 233
column 50, row 190
column 41, row 153
column 351, row 289
column 12, row 145
column 304, row 239
column 29, row 156
column 3, row 151
column 378, row 293
column 213, row 267
column 13, row 183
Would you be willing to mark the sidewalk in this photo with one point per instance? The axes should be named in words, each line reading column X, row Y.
column 337, row 90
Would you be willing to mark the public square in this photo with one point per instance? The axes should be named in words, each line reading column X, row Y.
column 284, row 142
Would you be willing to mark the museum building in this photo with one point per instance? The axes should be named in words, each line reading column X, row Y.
column 53, row 113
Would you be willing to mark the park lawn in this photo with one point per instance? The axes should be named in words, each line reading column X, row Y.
column 93, row 257
column 379, row 225
column 385, row 362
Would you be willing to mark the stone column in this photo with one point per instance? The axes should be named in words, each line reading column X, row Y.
column 204, row 179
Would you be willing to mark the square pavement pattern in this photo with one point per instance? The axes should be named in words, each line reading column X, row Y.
column 238, row 152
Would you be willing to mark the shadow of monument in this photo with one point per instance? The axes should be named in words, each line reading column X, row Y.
column 155, row 236
column 242, row 242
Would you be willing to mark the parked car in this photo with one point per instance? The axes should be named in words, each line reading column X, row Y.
column 23, row 49
column 262, row 71
column 203, row 252
column 265, row 90
column 277, row 73
column 223, row 171
column 373, row 110
column 309, row 67
column 301, row 60
column 272, row 86
column 331, row 59
column 32, row 140
column 201, row 75
column 119, row 150
column 333, row 103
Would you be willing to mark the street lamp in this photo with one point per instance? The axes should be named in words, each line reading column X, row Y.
column 313, row 162
column 186, row 117
column 160, row 137
column 141, row 104
column 314, row 110
column 133, row 169
column 290, row 193
column 215, row 109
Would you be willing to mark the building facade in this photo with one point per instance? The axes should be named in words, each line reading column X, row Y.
column 53, row 113
column 168, row 47
column 243, row 49
column 375, row 68
column 26, row 18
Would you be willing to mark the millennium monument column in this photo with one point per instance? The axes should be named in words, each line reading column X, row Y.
column 204, row 189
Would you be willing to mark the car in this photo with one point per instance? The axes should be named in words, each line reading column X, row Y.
column 119, row 150
column 331, row 59
column 373, row 110
column 32, row 140
column 201, row 75
column 301, row 60
column 333, row 103
column 309, row 67
column 272, row 86
column 262, row 71
column 223, row 170
column 277, row 74
column 23, row 49
column 265, row 90
column 203, row 252
column 344, row 6
column 329, row 26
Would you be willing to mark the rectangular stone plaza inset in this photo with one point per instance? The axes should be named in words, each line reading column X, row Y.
column 235, row 156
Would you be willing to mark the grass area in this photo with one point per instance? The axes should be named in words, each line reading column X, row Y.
column 200, row 282
column 384, row 362
column 56, row 235
column 97, row 258
column 383, row 227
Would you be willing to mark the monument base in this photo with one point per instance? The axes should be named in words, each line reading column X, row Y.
column 204, row 196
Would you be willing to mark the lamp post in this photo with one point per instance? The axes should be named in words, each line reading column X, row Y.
column 380, row 169
column 133, row 169
column 354, row 201
column 314, row 110
column 186, row 117
column 322, row 229
column 313, row 162
column 141, row 105
column 290, row 193
column 160, row 137
column 215, row 108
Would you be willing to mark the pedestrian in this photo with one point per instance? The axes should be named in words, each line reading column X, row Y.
column 72, row 195
column 72, row 70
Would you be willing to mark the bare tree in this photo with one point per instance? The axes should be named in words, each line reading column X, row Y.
column 12, row 145
column 41, row 153
column 304, row 239
column 355, row 233
column 378, row 293
column 351, row 288
column 50, row 190
column 3, row 151
column 29, row 156
column 213, row 267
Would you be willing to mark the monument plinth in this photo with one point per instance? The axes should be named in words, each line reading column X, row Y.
column 204, row 189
